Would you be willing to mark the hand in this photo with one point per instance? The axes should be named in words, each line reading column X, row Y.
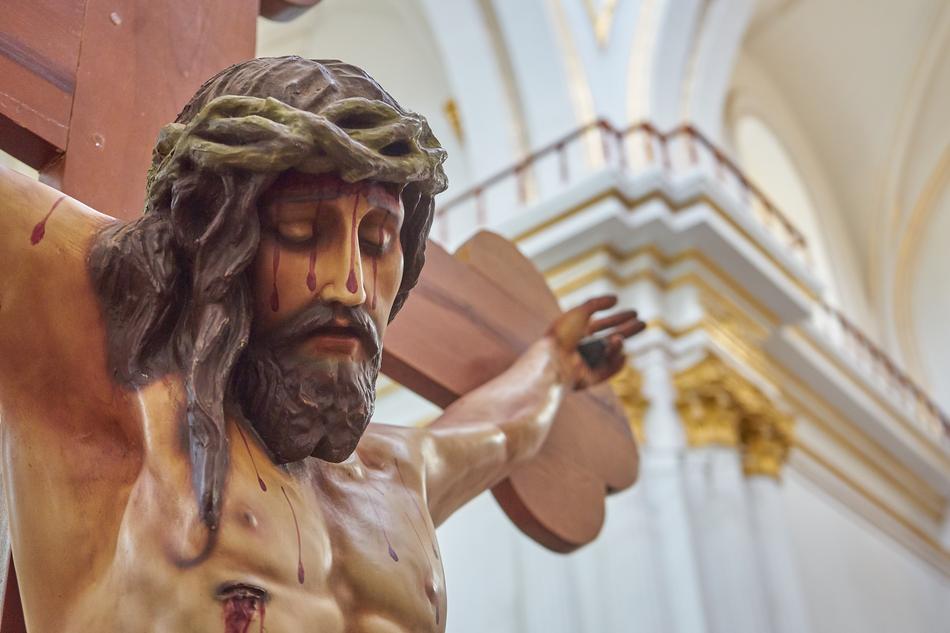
column 574, row 326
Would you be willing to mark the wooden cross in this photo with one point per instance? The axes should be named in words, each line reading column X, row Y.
column 87, row 84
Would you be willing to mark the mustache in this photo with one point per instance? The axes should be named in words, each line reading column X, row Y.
column 316, row 316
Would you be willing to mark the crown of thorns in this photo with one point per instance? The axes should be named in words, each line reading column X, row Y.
column 355, row 138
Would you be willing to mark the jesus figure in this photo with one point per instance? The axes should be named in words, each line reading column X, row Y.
column 186, row 398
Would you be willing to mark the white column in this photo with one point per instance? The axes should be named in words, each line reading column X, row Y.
column 719, row 514
column 786, row 602
column 661, row 475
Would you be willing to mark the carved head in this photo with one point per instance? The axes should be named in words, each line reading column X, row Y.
column 286, row 217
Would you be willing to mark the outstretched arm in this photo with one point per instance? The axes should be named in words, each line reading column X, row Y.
column 47, row 309
column 483, row 436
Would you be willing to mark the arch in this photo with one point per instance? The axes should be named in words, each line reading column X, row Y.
column 921, row 151
column 658, row 58
column 921, row 305
column 753, row 94
column 536, row 48
column 929, row 302
column 478, row 61
column 716, row 50
column 769, row 164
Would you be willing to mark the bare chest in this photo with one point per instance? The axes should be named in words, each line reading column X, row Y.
column 348, row 547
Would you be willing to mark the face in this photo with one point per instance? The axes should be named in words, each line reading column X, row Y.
column 326, row 241
column 324, row 280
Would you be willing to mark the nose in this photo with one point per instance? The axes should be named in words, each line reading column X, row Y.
column 344, row 276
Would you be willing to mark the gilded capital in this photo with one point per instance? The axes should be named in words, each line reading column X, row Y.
column 706, row 406
column 719, row 407
column 627, row 385
column 766, row 440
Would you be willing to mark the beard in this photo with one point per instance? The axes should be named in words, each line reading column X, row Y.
column 300, row 405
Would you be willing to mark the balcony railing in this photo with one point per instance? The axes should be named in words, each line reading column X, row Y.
column 640, row 150
column 880, row 370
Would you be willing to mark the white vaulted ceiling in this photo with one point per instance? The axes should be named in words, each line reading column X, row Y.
column 867, row 83
column 846, row 69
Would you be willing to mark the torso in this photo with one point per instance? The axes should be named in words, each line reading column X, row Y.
column 367, row 560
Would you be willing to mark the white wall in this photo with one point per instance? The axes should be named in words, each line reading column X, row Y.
column 856, row 579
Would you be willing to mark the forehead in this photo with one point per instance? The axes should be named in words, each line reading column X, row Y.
column 294, row 186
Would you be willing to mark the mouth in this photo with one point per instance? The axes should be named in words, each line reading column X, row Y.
column 333, row 339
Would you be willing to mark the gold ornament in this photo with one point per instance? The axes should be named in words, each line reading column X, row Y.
column 720, row 407
column 627, row 385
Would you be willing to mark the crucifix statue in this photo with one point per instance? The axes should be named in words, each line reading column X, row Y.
column 186, row 397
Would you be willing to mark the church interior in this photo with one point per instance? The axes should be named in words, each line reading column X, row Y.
column 768, row 183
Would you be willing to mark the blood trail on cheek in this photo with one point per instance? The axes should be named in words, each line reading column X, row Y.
column 39, row 231
column 300, row 571
column 274, row 296
column 351, row 284
column 372, row 303
column 311, row 273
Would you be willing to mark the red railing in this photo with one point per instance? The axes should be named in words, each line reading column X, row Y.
column 618, row 149
column 881, row 369
column 643, row 147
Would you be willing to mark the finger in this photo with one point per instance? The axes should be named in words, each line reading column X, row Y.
column 629, row 328
column 596, row 304
column 613, row 320
column 616, row 343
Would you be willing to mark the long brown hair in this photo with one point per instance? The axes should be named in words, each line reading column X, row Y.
column 173, row 283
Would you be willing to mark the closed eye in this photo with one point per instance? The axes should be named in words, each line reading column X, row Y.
column 375, row 239
column 296, row 232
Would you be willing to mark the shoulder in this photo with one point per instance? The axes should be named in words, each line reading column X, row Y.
column 392, row 442
column 387, row 447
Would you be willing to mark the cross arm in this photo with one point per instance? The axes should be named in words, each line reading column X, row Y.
column 469, row 319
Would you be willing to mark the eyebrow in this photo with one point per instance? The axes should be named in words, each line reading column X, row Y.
column 379, row 197
column 388, row 204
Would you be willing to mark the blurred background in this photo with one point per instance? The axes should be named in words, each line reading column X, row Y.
column 768, row 183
